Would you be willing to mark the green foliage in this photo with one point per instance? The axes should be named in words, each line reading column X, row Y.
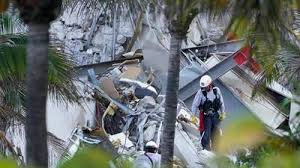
column 283, row 160
column 288, row 60
column 222, row 162
column 267, row 27
column 86, row 157
column 180, row 14
column 91, row 158
column 10, row 24
column 8, row 164
column 60, row 76
column 241, row 133
column 109, row 5
column 13, row 70
column 123, row 162
column 274, row 152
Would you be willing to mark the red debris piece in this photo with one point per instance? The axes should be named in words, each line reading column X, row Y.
column 254, row 66
column 242, row 56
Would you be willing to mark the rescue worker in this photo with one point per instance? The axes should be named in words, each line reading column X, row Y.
column 209, row 104
column 150, row 159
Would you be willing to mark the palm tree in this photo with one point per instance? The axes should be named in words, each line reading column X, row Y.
column 179, row 15
column 13, row 68
column 37, row 15
column 13, row 64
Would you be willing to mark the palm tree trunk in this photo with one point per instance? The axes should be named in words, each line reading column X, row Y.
column 36, row 85
column 167, row 146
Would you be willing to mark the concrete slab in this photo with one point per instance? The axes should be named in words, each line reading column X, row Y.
column 186, row 150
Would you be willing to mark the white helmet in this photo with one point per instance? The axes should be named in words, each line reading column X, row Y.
column 151, row 144
column 205, row 81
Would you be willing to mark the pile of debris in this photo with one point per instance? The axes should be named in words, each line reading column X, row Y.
column 130, row 112
column 128, row 84
column 135, row 112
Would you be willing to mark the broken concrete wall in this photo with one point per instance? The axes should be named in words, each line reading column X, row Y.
column 87, row 34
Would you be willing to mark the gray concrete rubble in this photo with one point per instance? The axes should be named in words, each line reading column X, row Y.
column 132, row 104
column 83, row 28
column 138, row 111
column 135, row 110
column 87, row 35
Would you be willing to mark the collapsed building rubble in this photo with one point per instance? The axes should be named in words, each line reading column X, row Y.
column 131, row 112
column 130, row 107
column 144, row 122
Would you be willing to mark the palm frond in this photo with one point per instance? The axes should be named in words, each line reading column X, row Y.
column 108, row 5
column 266, row 25
column 11, row 24
column 180, row 14
column 283, row 67
column 289, row 60
column 13, row 69
column 9, row 146
column 60, row 76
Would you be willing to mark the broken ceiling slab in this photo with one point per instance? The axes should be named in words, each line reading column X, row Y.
column 190, row 73
column 120, row 139
column 129, row 54
column 278, row 88
column 138, row 52
column 108, row 87
column 186, row 150
column 147, row 102
column 150, row 131
column 122, row 143
column 142, row 89
column 100, row 68
column 131, row 71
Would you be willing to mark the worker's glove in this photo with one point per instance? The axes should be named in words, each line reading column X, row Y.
column 222, row 116
column 194, row 120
